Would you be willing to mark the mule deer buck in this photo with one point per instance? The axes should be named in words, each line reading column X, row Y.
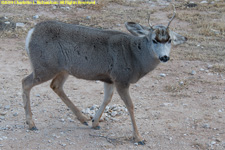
column 57, row 50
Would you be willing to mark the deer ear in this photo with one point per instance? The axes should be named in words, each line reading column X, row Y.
column 137, row 29
column 177, row 39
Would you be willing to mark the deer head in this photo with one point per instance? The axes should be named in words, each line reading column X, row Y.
column 159, row 37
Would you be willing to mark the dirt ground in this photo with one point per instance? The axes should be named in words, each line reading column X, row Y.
column 184, row 110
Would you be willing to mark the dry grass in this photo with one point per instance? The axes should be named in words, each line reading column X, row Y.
column 201, row 22
column 220, row 68
column 211, row 28
column 205, row 19
column 206, row 28
column 205, row 52
column 177, row 88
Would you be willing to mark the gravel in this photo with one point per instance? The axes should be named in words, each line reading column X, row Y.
column 109, row 113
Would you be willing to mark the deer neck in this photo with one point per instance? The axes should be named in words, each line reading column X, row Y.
column 147, row 59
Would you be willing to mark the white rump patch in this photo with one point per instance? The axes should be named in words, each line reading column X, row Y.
column 28, row 40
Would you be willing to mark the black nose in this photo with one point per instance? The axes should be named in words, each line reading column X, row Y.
column 164, row 58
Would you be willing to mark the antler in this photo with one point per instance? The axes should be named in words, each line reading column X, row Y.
column 149, row 22
column 174, row 14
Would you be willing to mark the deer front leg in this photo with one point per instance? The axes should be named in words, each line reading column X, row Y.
column 125, row 96
column 108, row 93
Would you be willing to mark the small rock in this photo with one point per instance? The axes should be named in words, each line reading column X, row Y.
column 185, row 105
column 62, row 120
column 66, row 8
column 15, row 114
column 210, row 66
column 86, row 111
column 191, row 4
column 38, row 95
column 88, row 17
column 213, row 142
column 54, row 7
column 221, row 110
column 206, row 126
column 19, row 24
column 118, row 25
column 49, row 141
column 3, row 113
column 204, row 2
column 215, row 31
column 54, row 135
column 63, row 144
column 112, row 107
column 181, row 83
column 201, row 69
column 218, row 140
column 210, row 74
column 7, row 22
column 162, row 75
column 193, row 72
column 70, row 120
column 114, row 113
column 167, row 104
column 35, row 17
column 7, row 107
column 93, row 107
column 71, row 143
column 136, row 144
column 2, row 117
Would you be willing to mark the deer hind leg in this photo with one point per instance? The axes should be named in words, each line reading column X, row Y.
column 57, row 86
column 108, row 93
column 27, row 84
column 123, row 91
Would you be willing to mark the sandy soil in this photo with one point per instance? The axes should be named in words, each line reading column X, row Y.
column 179, row 111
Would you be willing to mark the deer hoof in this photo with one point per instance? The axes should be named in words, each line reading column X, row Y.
column 97, row 128
column 34, row 128
column 141, row 142
column 85, row 123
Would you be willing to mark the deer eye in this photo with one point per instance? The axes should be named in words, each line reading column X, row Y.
column 154, row 41
column 169, row 41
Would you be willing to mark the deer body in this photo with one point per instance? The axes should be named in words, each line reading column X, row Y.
column 57, row 50
column 109, row 56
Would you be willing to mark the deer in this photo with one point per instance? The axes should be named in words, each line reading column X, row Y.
column 57, row 50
